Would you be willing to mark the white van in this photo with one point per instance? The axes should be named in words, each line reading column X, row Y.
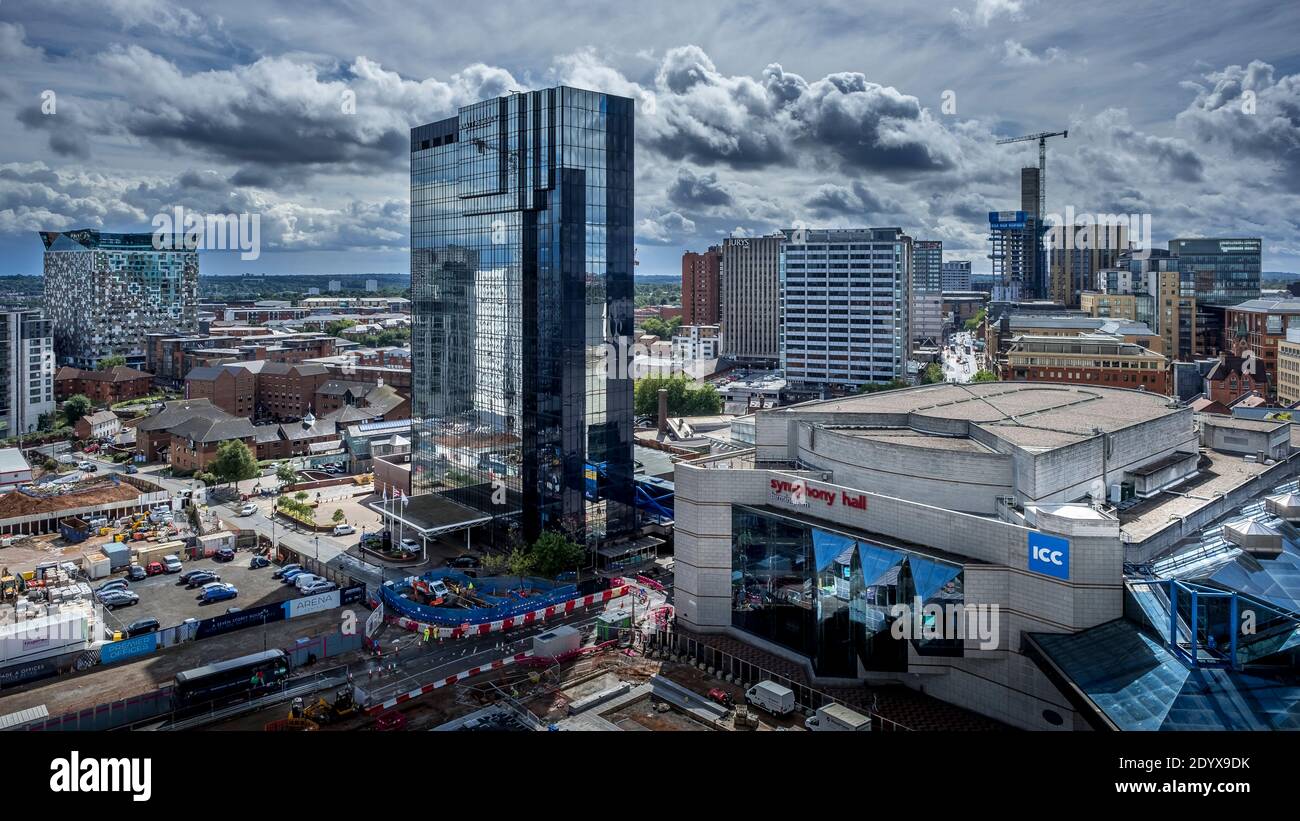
column 771, row 697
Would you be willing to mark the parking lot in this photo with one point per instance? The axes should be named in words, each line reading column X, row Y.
column 170, row 603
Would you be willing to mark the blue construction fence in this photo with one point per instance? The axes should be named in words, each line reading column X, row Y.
column 500, row 593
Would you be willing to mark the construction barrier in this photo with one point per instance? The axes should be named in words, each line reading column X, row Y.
column 444, row 682
column 473, row 630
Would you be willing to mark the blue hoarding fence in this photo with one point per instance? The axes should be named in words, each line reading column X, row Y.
column 498, row 607
column 128, row 648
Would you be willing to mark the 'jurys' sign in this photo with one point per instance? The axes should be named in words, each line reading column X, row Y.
column 804, row 492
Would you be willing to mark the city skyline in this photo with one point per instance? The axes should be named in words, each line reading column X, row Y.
column 740, row 129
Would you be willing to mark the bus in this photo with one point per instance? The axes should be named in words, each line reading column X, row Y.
column 249, row 675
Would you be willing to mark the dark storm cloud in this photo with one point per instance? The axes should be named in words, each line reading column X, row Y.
column 695, row 190
column 1248, row 111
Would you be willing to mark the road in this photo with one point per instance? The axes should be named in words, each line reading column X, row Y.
column 953, row 369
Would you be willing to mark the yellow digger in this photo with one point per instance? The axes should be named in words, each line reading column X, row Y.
column 323, row 712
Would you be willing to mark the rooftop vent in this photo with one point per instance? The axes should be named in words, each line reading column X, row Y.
column 1284, row 506
column 1257, row 539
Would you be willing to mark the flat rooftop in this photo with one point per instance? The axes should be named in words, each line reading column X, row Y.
column 1028, row 414
column 920, row 439
column 1226, row 472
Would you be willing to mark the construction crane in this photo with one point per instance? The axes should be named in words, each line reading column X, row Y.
column 1042, row 162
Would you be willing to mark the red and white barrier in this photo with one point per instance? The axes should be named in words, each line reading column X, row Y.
column 470, row 631
column 444, row 682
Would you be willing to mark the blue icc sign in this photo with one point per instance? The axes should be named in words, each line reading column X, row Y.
column 1049, row 555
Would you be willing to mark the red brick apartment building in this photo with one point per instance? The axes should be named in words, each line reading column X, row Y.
column 700, row 276
column 117, row 384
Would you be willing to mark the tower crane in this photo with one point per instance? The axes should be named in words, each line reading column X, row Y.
column 1042, row 162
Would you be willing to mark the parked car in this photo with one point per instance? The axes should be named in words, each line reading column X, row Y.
column 91, row 448
column 318, row 586
column 201, row 578
column 171, row 563
column 113, row 599
column 303, row 579
column 115, row 584
column 224, row 554
column 279, row 574
column 257, row 562
column 344, row 530
column 409, row 546
column 184, row 578
column 135, row 573
column 220, row 592
column 466, row 561
column 139, row 628
column 155, row 569
column 132, row 469
column 248, row 509
column 291, row 575
column 88, row 467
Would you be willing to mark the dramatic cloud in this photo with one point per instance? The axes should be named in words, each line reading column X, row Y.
column 691, row 189
column 1250, row 113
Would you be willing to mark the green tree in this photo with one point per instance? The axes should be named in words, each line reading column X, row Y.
column 974, row 322
column 300, row 497
column 983, row 375
column 234, row 462
column 339, row 516
column 521, row 563
column 495, row 564
column 75, row 407
column 50, row 465
column 876, row 387
column 656, row 326
column 933, row 374
column 554, row 553
column 685, row 398
column 285, row 473
column 338, row 326
column 110, row 362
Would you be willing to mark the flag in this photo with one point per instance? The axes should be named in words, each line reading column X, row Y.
column 385, row 494
column 405, row 499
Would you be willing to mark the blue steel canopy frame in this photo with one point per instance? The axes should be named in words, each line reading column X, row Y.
column 1192, row 655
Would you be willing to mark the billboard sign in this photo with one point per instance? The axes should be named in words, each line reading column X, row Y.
column 1002, row 220
column 305, row 606
column 1049, row 555
column 128, row 648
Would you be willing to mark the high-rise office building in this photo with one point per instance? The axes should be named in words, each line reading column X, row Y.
column 925, row 299
column 1077, row 252
column 26, row 372
column 700, row 275
column 845, row 313
column 521, row 278
column 956, row 275
column 104, row 293
column 751, row 298
column 1221, row 272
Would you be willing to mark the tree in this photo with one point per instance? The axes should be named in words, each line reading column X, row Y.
column 50, row 465
column 684, row 397
column 983, row 375
column 974, row 322
column 494, row 564
column 554, row 553
column 76, row 406
column 339, row 515
column 521, row 564
column 300, row 496
column 234, row 462
column 932, row 374
column 876, row 387
column 338, row 326
column 110, row 362
column 286, row 473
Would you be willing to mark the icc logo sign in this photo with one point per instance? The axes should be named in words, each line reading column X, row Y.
column 1049, row 555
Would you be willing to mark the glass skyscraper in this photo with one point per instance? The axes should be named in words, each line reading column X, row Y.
column 521, row 279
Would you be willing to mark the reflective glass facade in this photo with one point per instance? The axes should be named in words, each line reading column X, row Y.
column 1223, row 271
column 521, row 281
column 828, row 595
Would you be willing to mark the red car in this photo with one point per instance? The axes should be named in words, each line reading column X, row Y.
column 722, row 697
column 155, row 569
column 91, row 449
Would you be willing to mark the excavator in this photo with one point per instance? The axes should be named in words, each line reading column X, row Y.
column 322, row 711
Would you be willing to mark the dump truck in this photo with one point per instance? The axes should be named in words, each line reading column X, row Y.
column 837, row 717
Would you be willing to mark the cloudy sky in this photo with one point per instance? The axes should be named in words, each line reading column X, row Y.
column 751, row 115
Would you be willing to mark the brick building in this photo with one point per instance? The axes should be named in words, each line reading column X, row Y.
column 259, row 388
column 1095, row 359
column 700, row 275
column 107, row 387
column 1231, row 378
